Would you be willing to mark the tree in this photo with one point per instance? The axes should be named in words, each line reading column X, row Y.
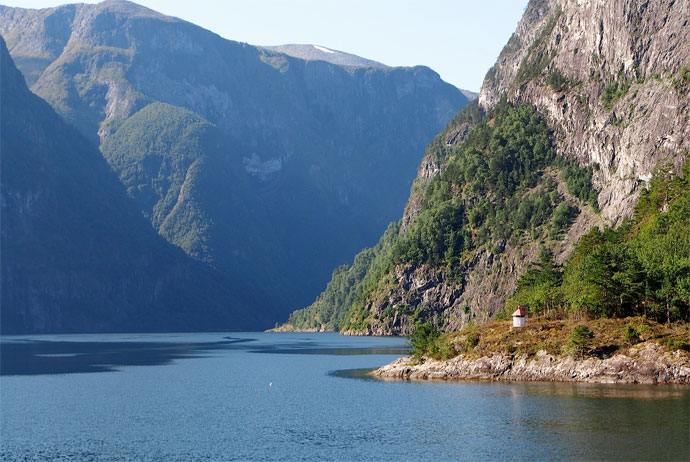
column 582, row 335
column 537, row 288
column 423, row 337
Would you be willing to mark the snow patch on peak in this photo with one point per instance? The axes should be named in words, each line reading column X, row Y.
column 325, row 50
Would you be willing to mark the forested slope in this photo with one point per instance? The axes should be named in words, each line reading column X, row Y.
column 583, row 107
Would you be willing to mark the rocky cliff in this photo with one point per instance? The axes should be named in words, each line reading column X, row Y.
column 611, row 76
column 612, row 82
column 259, row 163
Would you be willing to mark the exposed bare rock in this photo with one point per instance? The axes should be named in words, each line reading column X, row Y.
column 646, row 363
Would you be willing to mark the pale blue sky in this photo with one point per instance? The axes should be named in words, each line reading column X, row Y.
column 459, row 39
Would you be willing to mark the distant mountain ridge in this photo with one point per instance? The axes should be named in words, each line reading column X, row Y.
column 310, row 52
column 470, row 95
column 262, row 165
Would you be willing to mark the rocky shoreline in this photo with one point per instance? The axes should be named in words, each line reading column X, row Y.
column 647, row 363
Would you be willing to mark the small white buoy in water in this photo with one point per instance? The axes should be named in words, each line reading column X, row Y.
column 270, row 384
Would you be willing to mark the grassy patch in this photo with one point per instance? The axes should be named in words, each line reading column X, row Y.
column 556, row 337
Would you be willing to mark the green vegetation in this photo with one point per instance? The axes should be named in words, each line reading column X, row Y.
column 681, row 81
column 608, row 336
column 615, row 90
column 341, row 306
column 499, row 186
column 558, row 81
column 257, row 174
column 155, row 151
column 579, row 182
column 423, row 339
column 639, row 268
column 493, row 188
column 582, row 337
column 82, row 248
column 439, row 148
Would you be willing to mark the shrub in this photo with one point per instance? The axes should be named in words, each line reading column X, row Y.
column 472, row 340
column 631, row 335
column 558, row 81
column 423, row 339
column 682, row 80
column 582, row 335
column 678, row 344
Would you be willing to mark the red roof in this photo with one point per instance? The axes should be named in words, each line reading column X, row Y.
column 520, row 312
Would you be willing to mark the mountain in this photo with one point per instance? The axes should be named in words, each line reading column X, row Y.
column 320, row 53
column 260, row 164
column 470, row 95
column 77, row 255
column 586, row 103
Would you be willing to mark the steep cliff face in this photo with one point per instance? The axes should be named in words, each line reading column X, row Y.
column 612, row 80
column 610, row 77
column 77, row 256
column 289, row 166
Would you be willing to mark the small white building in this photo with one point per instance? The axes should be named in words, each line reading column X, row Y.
column 520, row 317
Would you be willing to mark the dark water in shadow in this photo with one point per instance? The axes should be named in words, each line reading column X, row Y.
column 183, row 397
column 19, row 356
column 35, row 357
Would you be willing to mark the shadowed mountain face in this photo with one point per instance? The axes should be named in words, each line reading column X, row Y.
column 259, row 163
column 77, row 256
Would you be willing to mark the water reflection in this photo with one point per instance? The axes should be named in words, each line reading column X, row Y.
column 334, row 351
column 221, row 406
column 600, row 390
column 35, row 357
column 360, row 374
column 518, row 389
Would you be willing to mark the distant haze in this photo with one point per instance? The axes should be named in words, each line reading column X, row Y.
column 459, row 39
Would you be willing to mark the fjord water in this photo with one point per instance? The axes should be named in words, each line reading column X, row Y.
column 293, row 396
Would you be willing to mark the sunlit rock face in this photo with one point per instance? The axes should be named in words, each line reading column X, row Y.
column 641, row 46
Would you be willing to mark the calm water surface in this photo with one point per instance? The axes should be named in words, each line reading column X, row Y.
column 288, row 396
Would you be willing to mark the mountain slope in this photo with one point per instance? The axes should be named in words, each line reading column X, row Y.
column 604, row 86
column 290, row 166
column 77, row 256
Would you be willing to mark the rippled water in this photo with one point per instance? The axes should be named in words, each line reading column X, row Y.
column 305, row 397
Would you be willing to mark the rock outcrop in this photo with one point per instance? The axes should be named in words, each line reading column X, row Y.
column 645, row 363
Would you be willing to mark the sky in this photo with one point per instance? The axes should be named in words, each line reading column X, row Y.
column 459, row 39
